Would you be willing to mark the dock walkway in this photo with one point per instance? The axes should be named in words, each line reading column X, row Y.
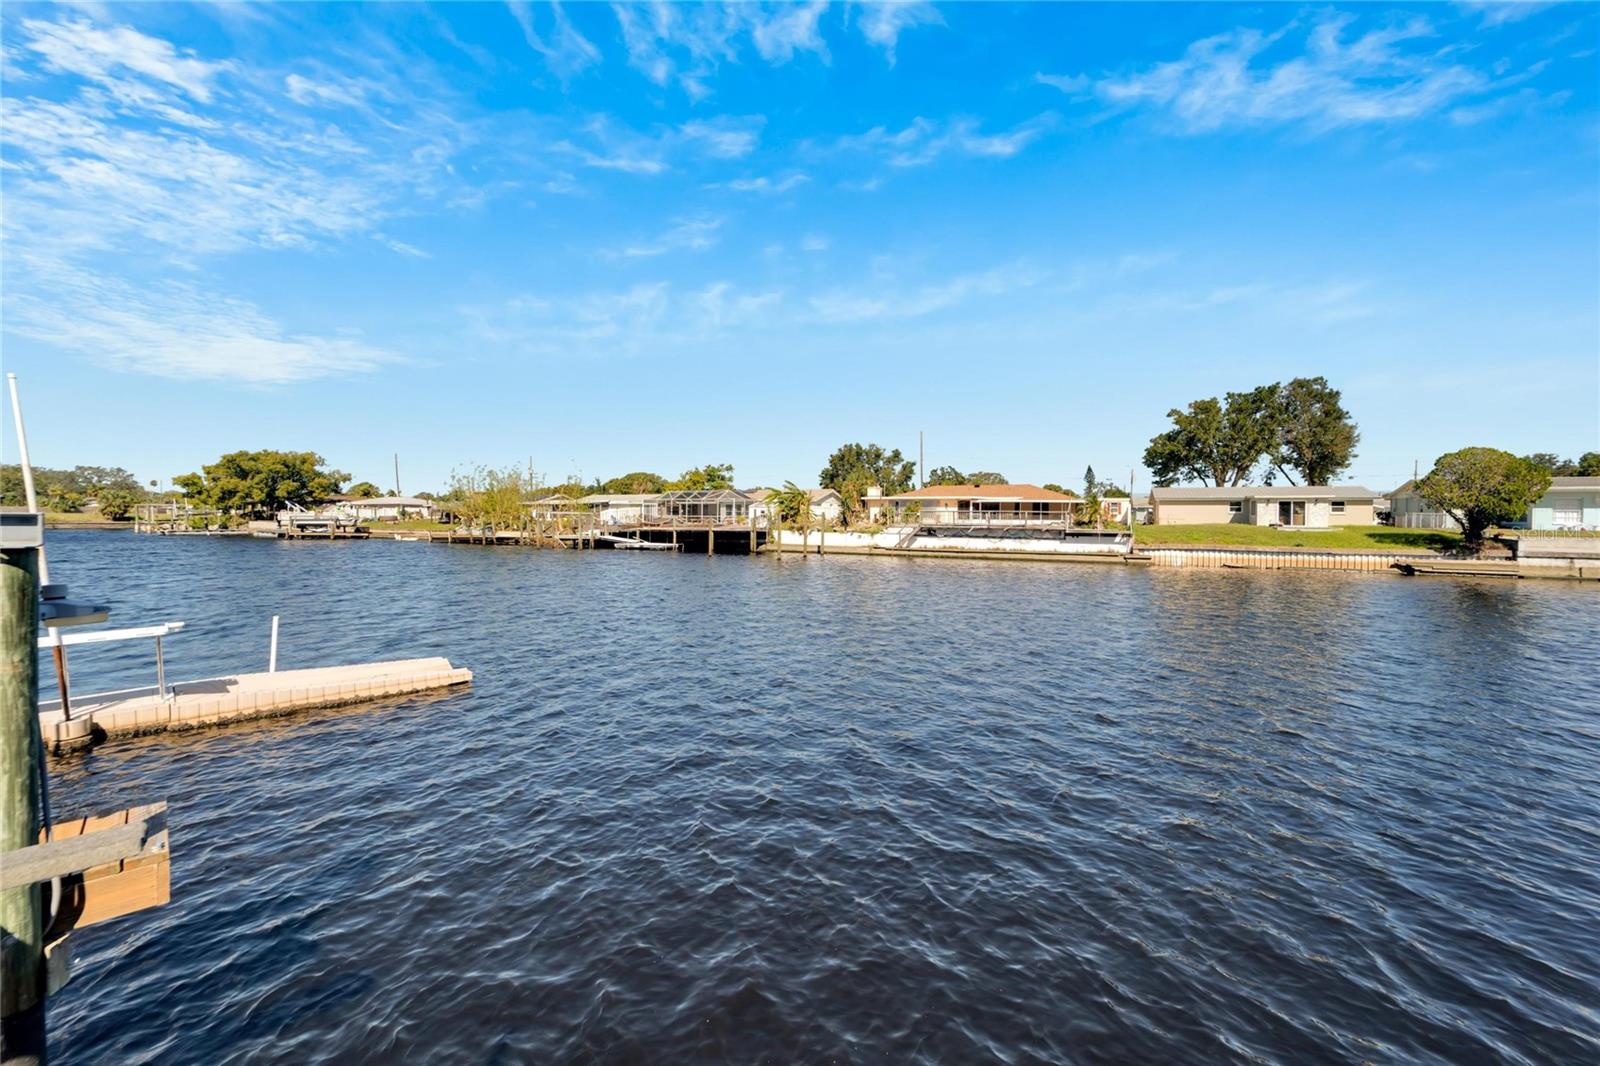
column 241, row 697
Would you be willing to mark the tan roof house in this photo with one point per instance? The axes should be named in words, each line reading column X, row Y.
column 978, row 505
column 1293, row 506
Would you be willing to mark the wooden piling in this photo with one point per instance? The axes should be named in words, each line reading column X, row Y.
column 22, row 969
column 711, row 539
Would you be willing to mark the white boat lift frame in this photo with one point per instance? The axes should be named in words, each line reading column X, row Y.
column 106, row 636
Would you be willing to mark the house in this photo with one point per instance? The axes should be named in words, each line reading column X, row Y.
column 709, row 507
column 827, row 506
column 1115, row 509
column 1143, row 513
column 1569, row 503
column 978, row 505
column 1293, row 506
column 548, row 507
column 387, row 508
column 1408, row 510
column 623, row 509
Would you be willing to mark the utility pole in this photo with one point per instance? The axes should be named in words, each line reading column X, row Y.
column 922, row 464
column 397, row 491
column 22, row 966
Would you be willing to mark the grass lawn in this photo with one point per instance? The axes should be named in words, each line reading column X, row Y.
column 68, row 518
column 409, row 525
column 1344, row 538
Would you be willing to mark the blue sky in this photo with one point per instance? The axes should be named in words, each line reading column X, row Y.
column 611, row 238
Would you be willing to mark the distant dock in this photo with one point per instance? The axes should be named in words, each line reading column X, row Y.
column 238, row 698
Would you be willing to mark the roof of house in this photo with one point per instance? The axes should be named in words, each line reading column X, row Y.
column 709, row 495
column 388, row 501
column 1575, row 482
column 1001, row 493
column 816, row 494
column 1264, row 492
column 618, row 499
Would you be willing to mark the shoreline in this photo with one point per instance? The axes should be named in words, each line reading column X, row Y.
column 1409, row 562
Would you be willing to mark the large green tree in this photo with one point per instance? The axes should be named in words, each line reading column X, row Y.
column 1300, row 426
column 364, row 490
column 117, row 504
column 1215, row 441
column 261, row 483
column 1316, row 437
column 946, row 475
column 986, row 477
column 710, row 476
column 638, row 481
column 1481, row 487
column 854, row 466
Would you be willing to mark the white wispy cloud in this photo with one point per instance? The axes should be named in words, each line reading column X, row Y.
column 602, row 142
column 158, row 160
column 1499, row 12
column 648, row 317
column 863, row 303
column 692, row 234
column 764, row 185
column 566, row 51
column 814, row 242
column 925, row 140
column 727, row 137
column 182, row 331
column 882, row 23
column 686, row 44
column 108, row 55
column 1323, row 77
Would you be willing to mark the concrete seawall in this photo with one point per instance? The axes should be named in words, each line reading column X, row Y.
column 1243, row 559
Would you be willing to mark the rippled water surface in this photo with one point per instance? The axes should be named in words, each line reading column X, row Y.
column 852, row 810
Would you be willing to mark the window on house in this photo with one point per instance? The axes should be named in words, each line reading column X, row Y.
column 1338, row 507
column 1235, row 506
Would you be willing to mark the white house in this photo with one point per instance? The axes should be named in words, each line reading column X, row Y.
column 1569, row 503
column 387, row 508
column 624, row 508
column 1408, row 510
column 826, row 504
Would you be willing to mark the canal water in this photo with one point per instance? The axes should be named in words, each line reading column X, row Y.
column 852, row 810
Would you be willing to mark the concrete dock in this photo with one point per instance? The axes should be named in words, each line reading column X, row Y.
column 238, row 698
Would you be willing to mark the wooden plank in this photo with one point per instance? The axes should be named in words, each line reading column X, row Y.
column 119, row 892
column 70, row 855
column 138, row 878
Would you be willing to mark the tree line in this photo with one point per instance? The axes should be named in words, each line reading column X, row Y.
column 113, row 489
column 1283, row 430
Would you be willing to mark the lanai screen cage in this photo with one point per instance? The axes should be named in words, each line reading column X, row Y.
column 721, row 506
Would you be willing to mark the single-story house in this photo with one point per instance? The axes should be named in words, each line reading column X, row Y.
column 1143, row 510
column 1296, row 506
column 826, row 504
column 706, row 506
column 978, row 505
column 1569, row 503
column 387, row 508
column 624, row 508
column 1114, row 509
column 1408, row 510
